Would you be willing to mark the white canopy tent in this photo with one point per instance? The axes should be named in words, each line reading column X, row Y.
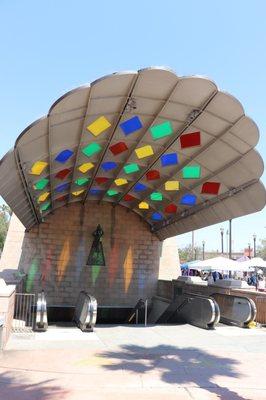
column 221, row 264
column 255, row 262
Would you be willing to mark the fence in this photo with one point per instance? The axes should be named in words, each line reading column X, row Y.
column 23, row 320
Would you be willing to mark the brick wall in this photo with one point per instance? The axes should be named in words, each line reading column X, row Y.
column 54, row 256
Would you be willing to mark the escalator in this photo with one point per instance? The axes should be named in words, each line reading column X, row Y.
column 203, row 311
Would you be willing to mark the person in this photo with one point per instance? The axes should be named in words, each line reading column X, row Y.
column 210, row 279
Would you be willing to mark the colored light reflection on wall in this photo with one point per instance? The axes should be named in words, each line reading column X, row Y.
column 63, row 260
column 128, row 269
column 95, row 272
column 31, row 275
column 46, row 265
column 113, row 263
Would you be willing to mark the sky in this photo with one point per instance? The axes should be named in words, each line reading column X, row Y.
column 50, row 47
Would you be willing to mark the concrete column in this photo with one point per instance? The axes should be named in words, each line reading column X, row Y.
column 169, row 261
column 7, row 303
column 13, row 245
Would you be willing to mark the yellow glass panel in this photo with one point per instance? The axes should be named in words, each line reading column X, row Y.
column 43, row 196
column 85, row 167
column 38, row 167
column 98, row 126
column 120, row 181
column 78, row 192
column 172, row 185
column 144, row 151
column 143, row 205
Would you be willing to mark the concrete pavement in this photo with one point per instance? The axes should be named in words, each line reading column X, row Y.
column 118, row 362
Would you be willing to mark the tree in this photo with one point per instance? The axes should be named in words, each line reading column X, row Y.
column 261, row 249
column 186, row 253
column 5, row 213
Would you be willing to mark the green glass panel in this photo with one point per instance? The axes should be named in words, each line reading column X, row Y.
column 191, row 172
column 112, row 192
column 91, row 149
column 40, row 185
column 156, row 196
column 81, row 181
column 45, row 206
column 162, row 130
column 130, row 168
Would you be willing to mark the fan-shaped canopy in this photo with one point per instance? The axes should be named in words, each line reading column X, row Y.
column 175, row 150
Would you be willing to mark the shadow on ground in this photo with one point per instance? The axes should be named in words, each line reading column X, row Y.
column 182, row 367
column 14, row 388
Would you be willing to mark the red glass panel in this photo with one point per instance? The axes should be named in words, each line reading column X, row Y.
column 152, row 175
column 171, row 209
column 210, row 187
column 118, row 148
column 128, row 197
column 63, row 173
column 101, row 179
column 190, row 140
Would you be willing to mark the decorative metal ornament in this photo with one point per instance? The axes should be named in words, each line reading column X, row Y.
column 96, row 256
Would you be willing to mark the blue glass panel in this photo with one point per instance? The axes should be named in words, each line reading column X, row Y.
column 156, row 216
column 95, row 191
column 169, row 159
column 108, row 165
column 139, row 187
column 62, row 188
column 188, row 199
column 131, row 125
column 64, row 156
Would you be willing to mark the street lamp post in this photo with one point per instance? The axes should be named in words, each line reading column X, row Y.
column 222, row 239
column 249, row 251
column 254, row 241
column 203, row 249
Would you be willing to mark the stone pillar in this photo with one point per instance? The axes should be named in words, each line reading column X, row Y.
column 7, row 303
column 13, row 245
column 169, row 260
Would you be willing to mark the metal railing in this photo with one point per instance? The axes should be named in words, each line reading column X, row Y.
column 23, row 320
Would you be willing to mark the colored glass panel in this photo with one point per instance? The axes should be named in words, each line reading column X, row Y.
column 38, row 167
column 161, row 130
column 139, row 187
column 129, row 197
column 112, row 192
column 98, row 126
column 120, row 181
column 153, row 175
column 156, row 216
column 190, row 140
column 95, row 191
column 101, row 179
column 41, row 184
column 64, row 155
column 172, row 185
column 62, row 188
column 61, row 198
column 169, row 159
column 85, row 167
column 210, row 187
column 144, row 206
column 45, row 206
column 144, row 151
column 131, row 125
column 78, row 192
column 118, row 148
column 171, row 209
column 81, row 181
column 91, row 149
column 191, row 172
column 130, row 168
column 108, row 165
column 188, row 199
column 44, row 196
column 156, row 196
column 62, row 174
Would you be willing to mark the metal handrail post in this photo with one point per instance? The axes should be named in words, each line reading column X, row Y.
column 146, row 312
